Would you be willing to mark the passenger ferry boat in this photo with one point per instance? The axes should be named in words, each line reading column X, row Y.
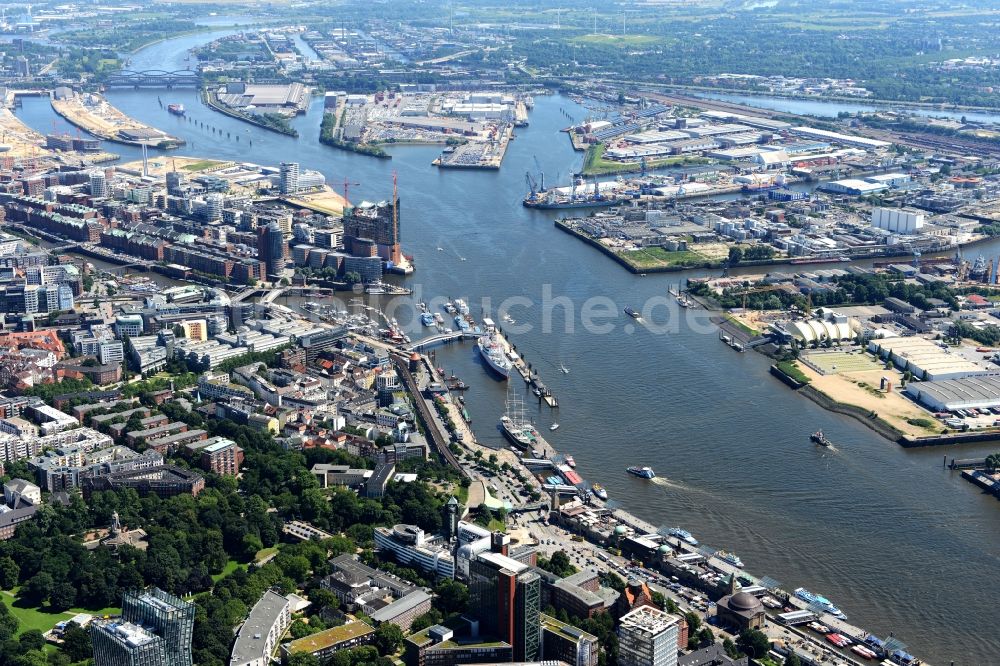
column 819, row 600
column 642, row 472
column 683, row 535
column 599, row 490
column 730, row 558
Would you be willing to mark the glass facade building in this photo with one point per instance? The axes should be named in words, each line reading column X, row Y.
column 155, row 628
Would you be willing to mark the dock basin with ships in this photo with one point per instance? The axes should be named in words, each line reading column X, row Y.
column 520, row 365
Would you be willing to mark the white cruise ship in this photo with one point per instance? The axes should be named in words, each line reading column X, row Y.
column 493, row 350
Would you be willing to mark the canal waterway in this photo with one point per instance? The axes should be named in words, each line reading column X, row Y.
column 829, row 108
column 898, row 542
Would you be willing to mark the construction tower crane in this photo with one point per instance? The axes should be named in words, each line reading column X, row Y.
column 347, row 187
column 757, row 290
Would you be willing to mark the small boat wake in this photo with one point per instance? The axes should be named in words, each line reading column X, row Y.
column 667, row 483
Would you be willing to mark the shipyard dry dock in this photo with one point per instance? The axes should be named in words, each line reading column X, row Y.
column 94, row 114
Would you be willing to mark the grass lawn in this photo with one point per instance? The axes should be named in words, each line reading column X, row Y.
column 497, row 525
column 264, row 553
column 791, row 369
column 231, row 566
column 740, row 325
column 655, row 257
column 838, row 362
column 30, row 617
column 201, row 165
column 594, row 163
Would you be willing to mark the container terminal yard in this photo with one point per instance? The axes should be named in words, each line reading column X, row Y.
column 808, row 195
column 486, row 154
column 475, row 126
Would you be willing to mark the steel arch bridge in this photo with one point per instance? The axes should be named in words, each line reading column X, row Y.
column 154, row 78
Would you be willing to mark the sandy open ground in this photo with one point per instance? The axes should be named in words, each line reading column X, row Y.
column 23, row 141
column 860, row 389
column 328, row 202
column 101, row 118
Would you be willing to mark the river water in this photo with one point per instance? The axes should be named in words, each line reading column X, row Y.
column 829, row 108
column 899, row 543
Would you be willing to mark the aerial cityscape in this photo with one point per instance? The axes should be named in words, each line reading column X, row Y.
column 655, row 333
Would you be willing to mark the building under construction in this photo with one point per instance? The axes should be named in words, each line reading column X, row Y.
column 372, row 229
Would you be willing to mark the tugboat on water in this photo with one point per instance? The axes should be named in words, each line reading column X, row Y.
column 176, row 109
column 819, row 438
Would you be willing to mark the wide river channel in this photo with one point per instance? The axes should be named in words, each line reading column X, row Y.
column 899, row 543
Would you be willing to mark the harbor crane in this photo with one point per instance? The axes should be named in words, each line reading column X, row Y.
column 532, row 185
column 541, row 174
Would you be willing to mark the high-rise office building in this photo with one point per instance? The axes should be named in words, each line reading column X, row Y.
column 505, row 596
column 21, row 66
column 65, row 297
column 647, row 636
column 120, row 643
column 564, row 642
column 19, row 299
column 154, row 629
column 288, row 182
column 271, row 248
column 175, row 181
column 98, row 185
column 212, row 210
column 168, row 616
